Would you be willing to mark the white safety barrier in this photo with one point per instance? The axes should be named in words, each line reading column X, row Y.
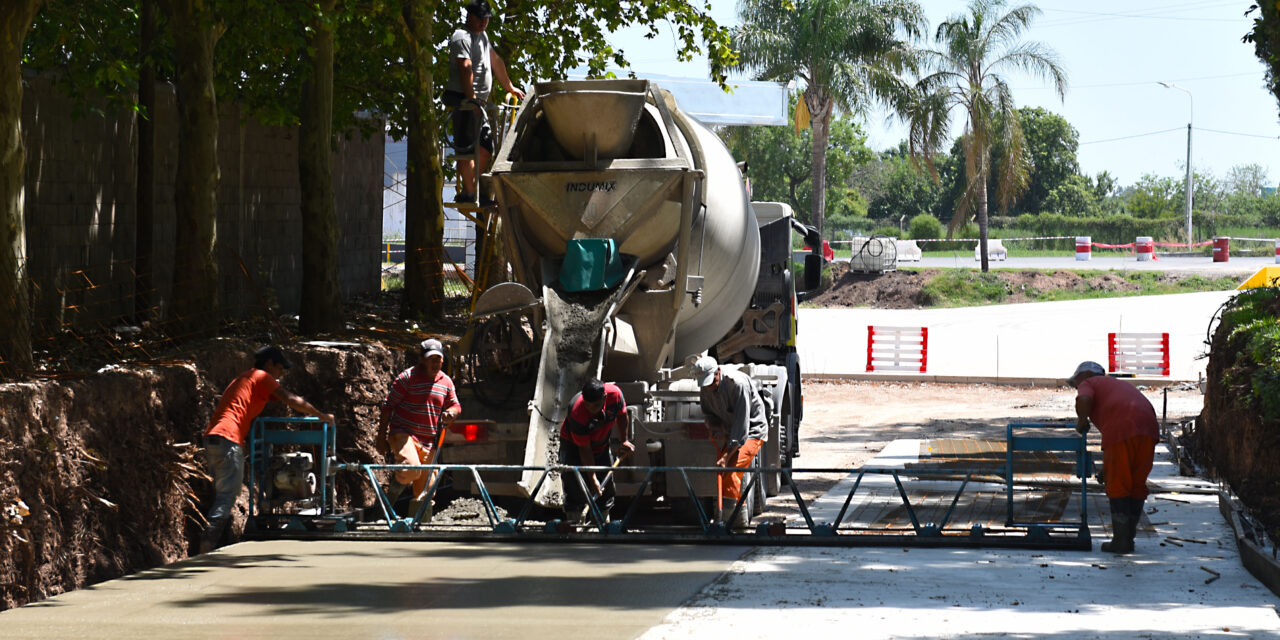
column 897, row 348
column 1138, row 353
column 995, row 251
column 908, row 251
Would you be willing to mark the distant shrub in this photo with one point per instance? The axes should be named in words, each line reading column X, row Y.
column 886, row 231
column 924, row 226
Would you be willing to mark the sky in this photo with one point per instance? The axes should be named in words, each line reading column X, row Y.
column 1115, row 53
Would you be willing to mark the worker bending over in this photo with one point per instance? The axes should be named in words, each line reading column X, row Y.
column 730, row 402
column 1130, row 431
column 224, row 438
column 421, row 404
column 584, row 441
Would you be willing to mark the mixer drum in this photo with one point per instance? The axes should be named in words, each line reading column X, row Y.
column 611, row 159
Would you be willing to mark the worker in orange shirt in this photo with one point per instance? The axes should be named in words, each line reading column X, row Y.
column 224, row 438
column 1130, row 432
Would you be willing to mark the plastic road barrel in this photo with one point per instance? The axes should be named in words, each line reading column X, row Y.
column 1221, row 248
column 1084, row 247
column 1145, row 247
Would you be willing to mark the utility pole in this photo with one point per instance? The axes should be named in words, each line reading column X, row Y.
column 1190, row 119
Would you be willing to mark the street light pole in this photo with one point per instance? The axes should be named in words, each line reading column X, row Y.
column 1190, row 118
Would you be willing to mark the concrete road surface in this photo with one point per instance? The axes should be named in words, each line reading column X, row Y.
column 350, row 590
column 1042, row 340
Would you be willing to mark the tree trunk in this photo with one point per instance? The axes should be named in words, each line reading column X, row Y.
column 15, row 310
column 144, row 226
column 820, row 106
column 424, row 211
column 195, row 272
column 982, row 219
column 321, row 308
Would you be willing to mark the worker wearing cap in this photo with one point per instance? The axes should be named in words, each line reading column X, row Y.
column 224, row 438
column 1130, row 431
column 472, row 66
column 421, row 402
column 594, row 414
column 731, row 402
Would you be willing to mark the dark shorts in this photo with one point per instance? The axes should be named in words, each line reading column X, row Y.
column 467, row 126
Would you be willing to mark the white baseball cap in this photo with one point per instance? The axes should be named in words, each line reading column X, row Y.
column 705, row 370
column 1088, row 366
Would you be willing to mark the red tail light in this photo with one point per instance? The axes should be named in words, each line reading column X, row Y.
column 471, row 431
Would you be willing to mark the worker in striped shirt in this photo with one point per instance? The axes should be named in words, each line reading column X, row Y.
column 421, row 403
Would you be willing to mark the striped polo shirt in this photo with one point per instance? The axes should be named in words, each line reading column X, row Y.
column 416, row 403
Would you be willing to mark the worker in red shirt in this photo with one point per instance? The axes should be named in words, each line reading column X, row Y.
column 1130, row 431
column 584, row 440
column 422, row 402
column 224, row 438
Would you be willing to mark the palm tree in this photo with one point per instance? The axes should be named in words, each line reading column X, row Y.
column 848, row 53
column 965, row 71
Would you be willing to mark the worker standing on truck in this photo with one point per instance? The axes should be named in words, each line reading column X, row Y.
column 584, row 441
column 731, row 403
column 472, row 66
column 1130, row 431
column 422, row 403
column 240, row 404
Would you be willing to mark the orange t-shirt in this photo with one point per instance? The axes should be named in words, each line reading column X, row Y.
column 242, row 401
column 1119, row 411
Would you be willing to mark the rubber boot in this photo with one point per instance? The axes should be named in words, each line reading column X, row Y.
column 414, row 505
column 212, row 534
column 1135, row 510
column 1122, row 527
column 393, row 491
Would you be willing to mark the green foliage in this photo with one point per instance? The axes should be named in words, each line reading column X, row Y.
column 1050, row 148
column 1074, row 197
column 1251, row 323
column 924, row 226
column 967, row 71
column 964, row 288
column 780, row 166
column 848, row 53
column 1265, row 37
column 886, row 231
column 895, row 187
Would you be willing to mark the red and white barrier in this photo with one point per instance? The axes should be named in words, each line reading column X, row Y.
column 1277, row 251
column 1084, row 248
column 1145, row 247
column 897, row 348
column 1138, row 353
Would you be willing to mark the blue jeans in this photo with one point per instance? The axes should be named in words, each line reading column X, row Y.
column 225, row 460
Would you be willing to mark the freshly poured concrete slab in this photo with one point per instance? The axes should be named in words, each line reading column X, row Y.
column 1184, row 581
column 291, row 589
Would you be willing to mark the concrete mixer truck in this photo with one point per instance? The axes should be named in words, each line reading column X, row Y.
column 631, row 249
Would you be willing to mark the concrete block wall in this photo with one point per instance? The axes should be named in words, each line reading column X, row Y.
column 81, row 210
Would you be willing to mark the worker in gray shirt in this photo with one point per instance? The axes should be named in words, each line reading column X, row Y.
column 473, row 65
column 731, row 403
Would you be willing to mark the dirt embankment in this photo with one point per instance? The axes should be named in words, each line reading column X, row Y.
column 104, row 475
column 905, row 288
column 1233, row 438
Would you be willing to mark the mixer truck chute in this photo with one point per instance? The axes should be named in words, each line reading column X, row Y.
column 615, row 163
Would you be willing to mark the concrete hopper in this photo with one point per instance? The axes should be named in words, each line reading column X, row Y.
column 590, row 122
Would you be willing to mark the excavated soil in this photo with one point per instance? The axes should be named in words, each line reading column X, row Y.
column 904, row 288
column 103, row 475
